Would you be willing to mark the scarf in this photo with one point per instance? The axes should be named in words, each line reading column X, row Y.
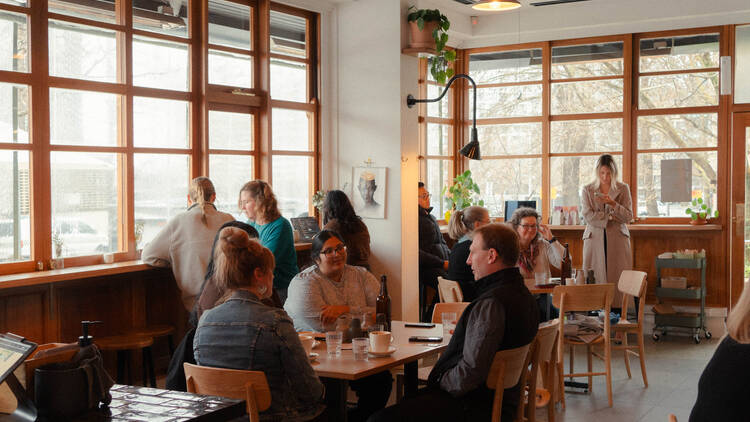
column 527, row 258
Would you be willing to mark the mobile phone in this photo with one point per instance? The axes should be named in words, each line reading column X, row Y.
column 420, row 325
column 598, row 194
column 426, row 339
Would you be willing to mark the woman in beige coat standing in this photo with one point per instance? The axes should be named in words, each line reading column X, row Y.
column 607, row 208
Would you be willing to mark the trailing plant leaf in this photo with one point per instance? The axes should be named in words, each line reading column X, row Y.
column 439, row 64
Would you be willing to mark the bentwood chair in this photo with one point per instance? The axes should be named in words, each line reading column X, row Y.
column 581, row 298
column 632, row 284
column 546, row 366
column 509, row 368
column 250, row 386
column 449, row 291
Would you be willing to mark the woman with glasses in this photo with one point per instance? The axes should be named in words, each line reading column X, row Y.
column 339, row 216
column 330, row 288
column 539, row 249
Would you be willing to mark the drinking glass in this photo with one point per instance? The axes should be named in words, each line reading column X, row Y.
column 541, row 278
column 333, row 342
column 359, row 348
column 449, row 323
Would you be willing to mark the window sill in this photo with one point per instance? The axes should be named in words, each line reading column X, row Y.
column 650, row 227
column 73, row 273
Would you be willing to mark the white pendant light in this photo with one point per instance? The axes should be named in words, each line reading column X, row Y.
column 496, row 5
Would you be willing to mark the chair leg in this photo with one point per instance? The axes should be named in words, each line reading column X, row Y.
column 642, row 357
column 625, row 352
column 589, row 358
column 148, row 362
column 121, row 358
column 608, row 364
column 399, row 387
column 561, row 383
column 571, row 357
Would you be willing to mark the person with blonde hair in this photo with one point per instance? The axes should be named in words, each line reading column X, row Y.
column 243, row 333
column 460, row 227
column 259, row 205
column 184, row 244
column 725, row 382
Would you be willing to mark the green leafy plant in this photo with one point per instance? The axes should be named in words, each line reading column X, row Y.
column 442, row 58
column 318, row 198
column 464, row 192
column 698, row 209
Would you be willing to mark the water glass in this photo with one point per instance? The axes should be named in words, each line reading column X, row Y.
column 333, row 343
column 449, row 323
column 541, row 278
column 359, row 348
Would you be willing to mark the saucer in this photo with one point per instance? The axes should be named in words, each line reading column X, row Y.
column 312, row 356
column 390, row 351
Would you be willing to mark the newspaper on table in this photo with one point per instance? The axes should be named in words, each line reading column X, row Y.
column 585, row 329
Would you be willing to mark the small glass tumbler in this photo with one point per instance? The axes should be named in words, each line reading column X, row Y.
column 449, row 323
column 333, row 342
column 541, row 278
column 359, row 348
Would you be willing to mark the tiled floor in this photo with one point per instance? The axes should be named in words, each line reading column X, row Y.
column 673, row 366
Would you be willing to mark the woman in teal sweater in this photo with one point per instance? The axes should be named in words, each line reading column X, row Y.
column 258, row 203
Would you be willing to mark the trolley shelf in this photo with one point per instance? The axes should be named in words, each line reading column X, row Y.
column 689, row 293
column 693, row 321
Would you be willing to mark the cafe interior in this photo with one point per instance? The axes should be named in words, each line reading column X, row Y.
column 109, row 108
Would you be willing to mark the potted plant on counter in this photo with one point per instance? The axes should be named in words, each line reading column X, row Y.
column 699, row 212
column 429, row 29
column 464, row 192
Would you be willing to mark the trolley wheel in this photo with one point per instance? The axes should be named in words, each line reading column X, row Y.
column 697, row 339
column 707, row 334
column 655, row 336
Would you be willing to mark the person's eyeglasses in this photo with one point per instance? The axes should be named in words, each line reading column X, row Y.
column 328, row 252
column 425, row 196
column 528, row 226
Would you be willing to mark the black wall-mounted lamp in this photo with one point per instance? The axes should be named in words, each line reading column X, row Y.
column 470, row 150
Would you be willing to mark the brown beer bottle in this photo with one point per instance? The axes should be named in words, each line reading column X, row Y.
column 383, row 305
column 566, row 267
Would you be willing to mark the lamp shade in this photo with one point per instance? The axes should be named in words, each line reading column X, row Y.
column 496, row 5
column 471, row 150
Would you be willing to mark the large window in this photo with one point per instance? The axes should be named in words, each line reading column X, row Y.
column 98, row 145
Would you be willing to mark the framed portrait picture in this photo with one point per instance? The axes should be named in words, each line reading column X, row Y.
column 369, row 191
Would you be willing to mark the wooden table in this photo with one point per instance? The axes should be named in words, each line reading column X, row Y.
column 338, row 371
column 539, row 290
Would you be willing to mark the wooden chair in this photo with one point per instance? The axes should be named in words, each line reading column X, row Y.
column 449, row 291
column 589, row 297
column 250, row 386
column 509, row 368
column 457, row 307
column 632, row 284
column 546, row 365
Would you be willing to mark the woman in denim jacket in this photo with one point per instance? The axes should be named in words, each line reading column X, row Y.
column 243, row 333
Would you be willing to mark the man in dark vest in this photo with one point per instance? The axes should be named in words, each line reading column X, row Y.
column 504, row 316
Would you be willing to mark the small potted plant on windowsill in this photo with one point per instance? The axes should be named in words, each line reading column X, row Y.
column 699, row 212
column 58, row 242
column 464, row 192
column 429, row 29
column 138, row 234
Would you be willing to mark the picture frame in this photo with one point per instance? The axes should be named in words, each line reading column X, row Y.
column 369, row 191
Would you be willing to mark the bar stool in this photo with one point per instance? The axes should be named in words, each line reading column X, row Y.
column 156, row 331
column 123, row 344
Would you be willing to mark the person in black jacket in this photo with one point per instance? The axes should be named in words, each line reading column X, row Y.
column 462, row 224
column 433, row 254
column 504, row 316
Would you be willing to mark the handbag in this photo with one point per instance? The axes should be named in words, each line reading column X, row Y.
column 66, row 389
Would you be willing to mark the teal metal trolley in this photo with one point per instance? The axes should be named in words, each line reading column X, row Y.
column 695, row 322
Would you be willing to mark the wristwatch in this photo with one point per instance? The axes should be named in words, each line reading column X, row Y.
column 553, row 240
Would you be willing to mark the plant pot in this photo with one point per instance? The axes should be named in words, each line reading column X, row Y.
column 699, row 222
column 423, row 38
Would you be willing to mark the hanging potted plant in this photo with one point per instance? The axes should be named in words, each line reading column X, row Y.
column 699, row 212
column 429, row 29
column 464, row 192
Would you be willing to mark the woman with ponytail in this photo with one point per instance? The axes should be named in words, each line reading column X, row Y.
column 460, row 227
column 185, row 242
column 259, row 204
column 243, row 333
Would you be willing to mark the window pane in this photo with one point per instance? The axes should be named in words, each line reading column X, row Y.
column 230, row 69
column 683, row 90
column 439, row 139
column 649, row 183
column 101, row 10
column 15, row 226
column 84, row 203
column 229, row 173
column 291, row 184
column 82, row 52
column 14, row 113
column 83, row 117
column 229, row 24
column 160, row 123
column 587, row 97
column 582, row 61
column 439, row 175
column 568, row 175
column 514, row 139
column 14, row 42
column 678, row 53
column 15, row 2
column 290, row 130
column 508, row 180
column 508, row 101
column 441, row 108
column 161, row 17
column 742, row 65
column 288, row 34
column 586, row 135
column 230, row 130
column 160, row 64
column 156, row 203
column 506, row 66
column 677, row 131
column 288, row 80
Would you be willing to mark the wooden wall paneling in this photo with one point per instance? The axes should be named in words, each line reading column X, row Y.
column 24, row 312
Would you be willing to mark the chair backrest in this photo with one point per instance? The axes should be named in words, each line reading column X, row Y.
column 250, row 386
column 547, row 337
column 587, row 297
column 457, row 307
column 449, row 291
column 632, row 283
column 508, row 364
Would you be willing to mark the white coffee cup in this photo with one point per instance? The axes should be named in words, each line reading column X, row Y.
column 307, row 343
column 108, row 258
column 379, row 341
